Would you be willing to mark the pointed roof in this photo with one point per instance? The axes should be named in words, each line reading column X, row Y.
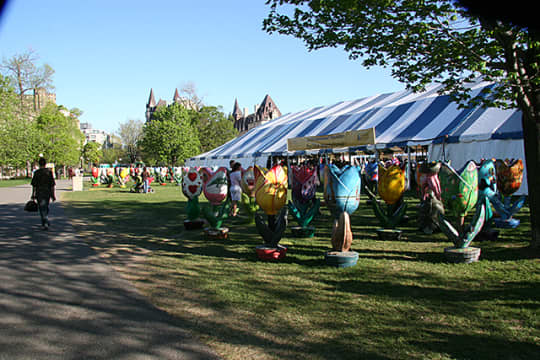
column 176, row 97
column 151, row 99
column 268, row 106
column 237, row 112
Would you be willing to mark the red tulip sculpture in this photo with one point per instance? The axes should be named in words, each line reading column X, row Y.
column 95, row 176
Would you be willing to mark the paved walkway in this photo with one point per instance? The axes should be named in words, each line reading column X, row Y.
column 59, row 300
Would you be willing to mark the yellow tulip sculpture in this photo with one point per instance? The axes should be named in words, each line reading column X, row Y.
column 271, row 196
column 392, row 179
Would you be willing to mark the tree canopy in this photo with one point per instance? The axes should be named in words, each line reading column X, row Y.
column 60, row 139
column 214, row 127
column 131, row 133
column 170, row 137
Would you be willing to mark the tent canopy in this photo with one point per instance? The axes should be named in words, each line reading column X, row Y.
column 401, row 118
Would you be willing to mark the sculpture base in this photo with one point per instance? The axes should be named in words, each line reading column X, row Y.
column 341, row 259
column 389, row 234
column 464, row 255
column 506, row 224
column 265, row 252
column 163, row 184
column 300, row 232
column 95, row 184
column 193, row 224
column 219, row 233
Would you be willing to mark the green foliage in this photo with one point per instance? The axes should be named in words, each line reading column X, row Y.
column 113, row 154
column 91, row 152
column 214, row 127
column 170, row 137
column 59, row 136
column 423, row 42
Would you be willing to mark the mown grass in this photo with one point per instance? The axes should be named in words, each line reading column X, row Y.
column 401, row 301
column 14, row 182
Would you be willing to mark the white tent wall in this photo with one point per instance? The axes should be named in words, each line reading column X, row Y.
column 245, row 161
column 460, row 153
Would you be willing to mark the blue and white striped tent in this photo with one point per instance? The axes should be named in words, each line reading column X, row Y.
column 401, row 118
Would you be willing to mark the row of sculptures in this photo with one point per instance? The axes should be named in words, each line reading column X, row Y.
column 121, row 175
column 447, row 195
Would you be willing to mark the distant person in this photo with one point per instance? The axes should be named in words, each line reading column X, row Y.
column 236, row 188
column 43, row 188
column 145, row 179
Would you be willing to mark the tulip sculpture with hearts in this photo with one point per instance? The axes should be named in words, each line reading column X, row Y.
column 304, row 206
column 271, row 196
column 342, row 196
column 248, row 202
column 459, row 196
column 191, row 187
column 509, row 179
column 215, row 188
column 391, row 186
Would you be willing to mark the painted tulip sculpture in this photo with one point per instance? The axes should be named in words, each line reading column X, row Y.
column 191, row 187
column 271, row 196
column 248, row 201
column 215, row 188
column 487, row 189
column 109, row 178
column 123, row 177
column 95, row 176
column 509, row 179
column 459, row 196
column 342, row 197
column 177, row 177
column 391, row 187
column 304, row 205
column 429, row 189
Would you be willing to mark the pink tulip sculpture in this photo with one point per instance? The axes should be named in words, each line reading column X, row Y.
column 304, row 206
column 215, row 188
column 248, row 202
column 429, row 187
column 191, row 187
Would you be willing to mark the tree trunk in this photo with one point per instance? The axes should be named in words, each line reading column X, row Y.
column 531, row 141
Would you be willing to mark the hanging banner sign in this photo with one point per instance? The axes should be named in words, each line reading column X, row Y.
column 339, row 140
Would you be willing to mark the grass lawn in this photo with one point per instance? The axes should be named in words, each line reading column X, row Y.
column 14, row 182
column 401, row 301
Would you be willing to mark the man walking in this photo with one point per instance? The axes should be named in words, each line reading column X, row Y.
column 43, row 186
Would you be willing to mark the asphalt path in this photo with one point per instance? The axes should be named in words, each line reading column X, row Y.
column 59, row 300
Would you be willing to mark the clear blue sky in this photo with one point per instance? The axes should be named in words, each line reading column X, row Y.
column 109, row 54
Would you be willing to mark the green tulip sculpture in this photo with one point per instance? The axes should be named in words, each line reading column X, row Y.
column 460, row 195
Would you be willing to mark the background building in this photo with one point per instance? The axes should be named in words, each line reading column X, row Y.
column 264, row 112
column 152, row 106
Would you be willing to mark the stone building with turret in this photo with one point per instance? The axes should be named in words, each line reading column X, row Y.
column 152, row 106
column 264, row 112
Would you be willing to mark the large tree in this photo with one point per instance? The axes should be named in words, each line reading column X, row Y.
column 426, row 41
column 170, row 137
column 25, row 75
column 131, row 133
column 17, row 135
column 60, row 139
column 213, row 126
